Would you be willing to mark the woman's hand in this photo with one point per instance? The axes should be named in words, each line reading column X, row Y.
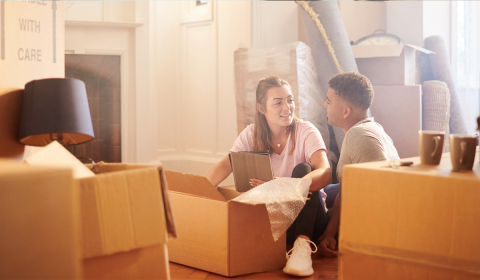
column 258, row 182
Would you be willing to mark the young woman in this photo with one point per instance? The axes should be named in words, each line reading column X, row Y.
column 296, row 150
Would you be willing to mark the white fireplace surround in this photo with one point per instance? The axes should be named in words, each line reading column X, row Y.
column 131, row 41
column 96, row 38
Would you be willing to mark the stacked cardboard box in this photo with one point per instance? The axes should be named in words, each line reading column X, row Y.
column 418, row 222
column 38, row 223
column 397, row 104
column 125, row 212
column 399, row 110
column 217, row 235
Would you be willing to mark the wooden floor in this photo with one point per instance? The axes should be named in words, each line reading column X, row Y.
column 325, row 269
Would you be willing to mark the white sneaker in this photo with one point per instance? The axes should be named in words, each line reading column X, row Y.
column 300, row 259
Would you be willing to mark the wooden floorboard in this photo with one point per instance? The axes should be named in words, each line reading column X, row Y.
column 324, row 269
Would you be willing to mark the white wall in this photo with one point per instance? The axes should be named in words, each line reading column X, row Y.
column 437, row 20
column 196, row 98
column 362, row 18
column 405, row 19
column 414, row 21
column 274, row 23
column 109, row 11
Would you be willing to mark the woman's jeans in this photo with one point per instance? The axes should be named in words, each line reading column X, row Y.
column 313, row 219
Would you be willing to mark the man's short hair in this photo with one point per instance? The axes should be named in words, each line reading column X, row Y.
column 355, row 88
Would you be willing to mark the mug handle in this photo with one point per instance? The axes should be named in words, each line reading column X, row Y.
column 437, row 140
column 463, row 149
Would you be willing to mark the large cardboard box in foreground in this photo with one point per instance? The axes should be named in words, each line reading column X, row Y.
column 225, row 237
column 38, row 223
column 418, row 222
column 388, row 64
column 125, row 213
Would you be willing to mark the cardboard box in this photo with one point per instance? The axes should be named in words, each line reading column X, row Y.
column 399, row 110
column 388, row 64
column 39, row 220
column 125, row 207
column 419, row 222
column 144, row 263
column 217, row 235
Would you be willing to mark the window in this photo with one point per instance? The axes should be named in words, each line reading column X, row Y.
column 466, row 58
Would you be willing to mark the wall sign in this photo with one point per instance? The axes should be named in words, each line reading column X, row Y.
column 31, row 41
column 32, row 46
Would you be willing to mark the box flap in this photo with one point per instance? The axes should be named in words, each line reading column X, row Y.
column 377, row 51
column 167, row 204
column 420, row 49
column 383, row 50
column 229, row 192
column 56, row 155
column 122, row 211
column 101, row 167
column 192, row 184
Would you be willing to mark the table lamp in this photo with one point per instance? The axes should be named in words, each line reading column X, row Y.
column 55, row 109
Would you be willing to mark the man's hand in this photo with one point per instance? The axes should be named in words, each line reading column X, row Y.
column 327, row 246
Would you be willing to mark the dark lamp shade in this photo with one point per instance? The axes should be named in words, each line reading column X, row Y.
column 55, row 109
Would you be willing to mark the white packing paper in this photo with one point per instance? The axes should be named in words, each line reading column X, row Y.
column 284, row 199
column 54, row 154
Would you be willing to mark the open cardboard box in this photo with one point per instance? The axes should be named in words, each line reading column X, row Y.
column 218, row 235
column 125, row 215
column 388, row 64
column 418, row 222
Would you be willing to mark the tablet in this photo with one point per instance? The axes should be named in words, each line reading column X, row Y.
column 250, row 165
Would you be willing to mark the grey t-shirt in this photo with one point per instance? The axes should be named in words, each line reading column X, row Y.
column 366, row 141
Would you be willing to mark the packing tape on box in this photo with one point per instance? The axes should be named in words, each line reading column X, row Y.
column 284, row 198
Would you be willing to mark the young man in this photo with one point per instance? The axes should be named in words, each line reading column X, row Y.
column 348, row 100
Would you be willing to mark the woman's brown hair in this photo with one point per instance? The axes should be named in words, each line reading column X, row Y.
column 262, row 135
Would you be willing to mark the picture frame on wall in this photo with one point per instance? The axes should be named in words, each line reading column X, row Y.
column 196, row 11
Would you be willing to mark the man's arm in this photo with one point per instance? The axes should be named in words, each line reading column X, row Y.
column 328, row 243
column 322, row 174
column 365, row 147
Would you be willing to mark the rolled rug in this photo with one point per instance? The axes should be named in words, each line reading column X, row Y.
column 436, row 108
column 331, row 50
column 441, row 71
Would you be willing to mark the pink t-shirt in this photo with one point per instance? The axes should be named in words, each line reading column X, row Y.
column 308, row 141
